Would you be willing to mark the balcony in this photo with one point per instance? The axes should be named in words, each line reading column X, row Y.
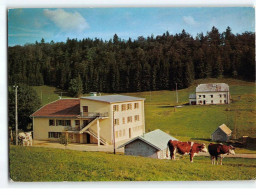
column 93, row 114
column 72, row 128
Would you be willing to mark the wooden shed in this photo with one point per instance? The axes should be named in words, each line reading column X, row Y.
column 152, row 144
column 222, row 134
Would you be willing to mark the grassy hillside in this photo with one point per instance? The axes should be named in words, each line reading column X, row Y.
column 193, row 122
column 44, row 164
column 198, row 122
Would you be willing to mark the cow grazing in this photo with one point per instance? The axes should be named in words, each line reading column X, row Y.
column 182, row 148
column 219, row 150
column 25, row 138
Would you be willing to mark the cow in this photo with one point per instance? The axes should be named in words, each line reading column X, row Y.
column 219, row 150
column 25, row 138
column 182, row 148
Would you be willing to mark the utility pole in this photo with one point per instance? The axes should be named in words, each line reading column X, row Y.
column 16, row 113
column 177, row 99
column 114, row 132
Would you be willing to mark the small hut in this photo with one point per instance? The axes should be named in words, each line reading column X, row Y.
column 222, row 134
column 152, row 144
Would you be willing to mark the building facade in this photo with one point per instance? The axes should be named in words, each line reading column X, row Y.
column 91, row 119
column 221, row 134
column 211, row 93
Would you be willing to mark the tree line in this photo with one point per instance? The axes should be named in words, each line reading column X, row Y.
column 143, row 64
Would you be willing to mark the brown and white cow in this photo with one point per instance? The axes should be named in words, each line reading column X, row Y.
column 182, row 148
column 219, row 150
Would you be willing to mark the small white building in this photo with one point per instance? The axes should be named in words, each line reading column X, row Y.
column 221, row 134
column 152, row 144
column 211, row 93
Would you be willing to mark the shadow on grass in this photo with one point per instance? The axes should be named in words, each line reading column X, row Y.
column 172, row 106
column 202, row 139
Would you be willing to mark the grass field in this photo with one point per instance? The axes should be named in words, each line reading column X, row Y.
column 45, row 164
column 193, row 122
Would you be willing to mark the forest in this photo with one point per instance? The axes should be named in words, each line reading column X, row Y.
column 143, row 64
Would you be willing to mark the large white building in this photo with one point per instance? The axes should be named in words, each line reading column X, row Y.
column 211, row 93
column 91, row 119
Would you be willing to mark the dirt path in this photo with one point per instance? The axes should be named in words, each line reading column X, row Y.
column 95, row 148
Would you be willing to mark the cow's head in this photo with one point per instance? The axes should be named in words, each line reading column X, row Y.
column 21, row 136
column 231, row 150
column 202, row 148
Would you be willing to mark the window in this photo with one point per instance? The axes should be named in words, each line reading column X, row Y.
column 221, row 101
column 51, row 122
column 116, row 122
column 54, row 134
column 225, row 101
column 60, row 122
column 200, row 102
column 136, row 118
column 123, row 132
column 63, row 122
column 211, row 96
column 85, row 108
column 129, row 119
column 123, row 120
column 136, row 105
column 212, row 101
column 120, row 133
column 123, row 107
column 116, row 108
column 116, row 134
column 199, row 96
column 77, row 122
column 203, row 96
column 225, row 95
column 129, row 106
column 220, row 95
column 67, row 123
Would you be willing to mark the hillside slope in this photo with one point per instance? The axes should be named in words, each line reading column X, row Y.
column 45, row 164
column 193, row 122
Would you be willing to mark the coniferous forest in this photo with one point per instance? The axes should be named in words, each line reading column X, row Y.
column 147, row 63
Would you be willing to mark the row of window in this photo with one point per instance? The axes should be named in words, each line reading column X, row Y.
column 200, row 102
column 120, row 133
column 125, row 107
column 129, row 119
column 220, row 95
column 54, row 134
column 52, row 122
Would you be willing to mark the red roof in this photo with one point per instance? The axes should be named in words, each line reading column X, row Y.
column 59, row 108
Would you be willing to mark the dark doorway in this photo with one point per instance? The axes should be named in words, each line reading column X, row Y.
column 87, row 138
column 204, row 101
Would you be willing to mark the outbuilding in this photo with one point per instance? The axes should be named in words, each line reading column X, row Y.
column 152, row 144
column 221, row 134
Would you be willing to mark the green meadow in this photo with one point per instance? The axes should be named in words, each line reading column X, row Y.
column 47, row 164
column 192, row 122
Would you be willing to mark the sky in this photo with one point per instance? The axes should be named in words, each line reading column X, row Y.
column 28, row 25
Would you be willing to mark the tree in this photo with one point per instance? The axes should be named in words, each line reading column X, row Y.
column 75, row 87
column 28, row 103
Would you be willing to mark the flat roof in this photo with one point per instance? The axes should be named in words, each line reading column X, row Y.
column 113, row 98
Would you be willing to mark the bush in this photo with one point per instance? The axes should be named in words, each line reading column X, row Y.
column 63, row 139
